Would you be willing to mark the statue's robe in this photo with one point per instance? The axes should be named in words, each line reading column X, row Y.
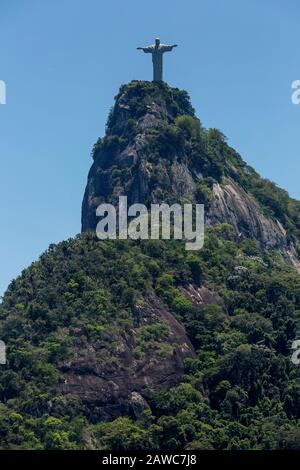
column 157, row 60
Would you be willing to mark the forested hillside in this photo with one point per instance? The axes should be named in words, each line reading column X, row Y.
column 123, row 344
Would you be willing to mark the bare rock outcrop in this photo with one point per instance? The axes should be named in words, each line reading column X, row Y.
column 106, row 379
column 231, row 204
column 202, row 296
column 138, row 404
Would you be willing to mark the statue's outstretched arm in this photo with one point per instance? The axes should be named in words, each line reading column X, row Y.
column 165, row 48
column 145, row 49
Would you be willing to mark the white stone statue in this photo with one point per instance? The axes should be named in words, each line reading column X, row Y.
column 157, row 51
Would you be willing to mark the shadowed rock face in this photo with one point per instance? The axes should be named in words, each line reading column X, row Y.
column 106, row 387
column 138, row 181
column 127, row 169
column 109, row 388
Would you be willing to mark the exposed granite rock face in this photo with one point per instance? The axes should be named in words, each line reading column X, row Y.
column 202, row 296
column 233, row 205
column 138, row 404
column 108, row 388
column 126, row 168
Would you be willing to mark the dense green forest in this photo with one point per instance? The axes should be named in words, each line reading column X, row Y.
column 241, row 391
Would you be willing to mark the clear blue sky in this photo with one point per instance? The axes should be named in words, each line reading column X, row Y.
column 63, row 62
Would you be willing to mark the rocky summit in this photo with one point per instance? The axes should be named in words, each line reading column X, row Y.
column 155, row 150
column 141, row 344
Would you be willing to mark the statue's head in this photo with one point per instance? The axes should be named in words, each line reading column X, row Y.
column 157, row 42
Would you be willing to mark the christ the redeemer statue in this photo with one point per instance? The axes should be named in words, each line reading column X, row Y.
column 157, row 51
